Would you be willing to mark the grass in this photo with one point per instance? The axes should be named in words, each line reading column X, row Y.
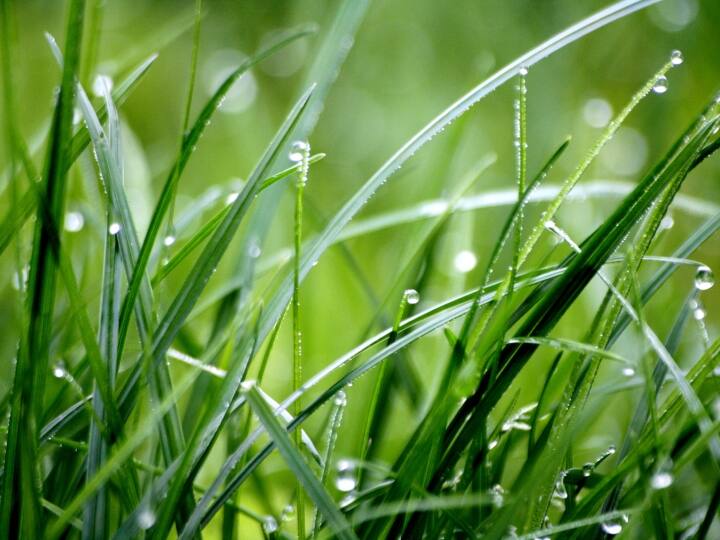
column 160, row 420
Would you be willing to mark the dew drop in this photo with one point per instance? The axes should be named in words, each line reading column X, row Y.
column 412, row 297
column 699, row 313
column 704, row 278
column 661, row 85
column 497, row 494
column 101, row 85
column 231, row 198
column 667, row 223
column 114, row 228
column 661, row 480
column 254, row 250
column 288, row 513
column 676, row 58
column 340, row 399
column 588, row 469
column 59, row 370
column 169, row 240
column 345, row 479
column 298, row 150
column 270, row 525
column 628, row 371
column 612, row 528
column 560, row 490
column 465, row 261
column 523, row 71
column 146, row 519
column 74, row 221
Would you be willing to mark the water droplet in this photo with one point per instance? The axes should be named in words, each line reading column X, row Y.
column 74, row 221
column 101, row 85
column 59, row 370
column 588, row 469
column 560, row 490
column 676, row 58
column 114, row 228
column 298, row 150
column 628, row 371
column 597, row 112
column 345, row 479
column 169, row 240
column 19, row 279
column 465, row 261
column 340, row 399
column 613, row 528
column 270, row 525
column 704, row 278
column 661, row 480
column 231, row 198
column 492, row 444
column 699, row 313
column 254, row 250
column 667, row 223
column 412, row 297
column 497, row 494
column 661, row 85
column 288, row 513
column 523, row 71
column 146, row 518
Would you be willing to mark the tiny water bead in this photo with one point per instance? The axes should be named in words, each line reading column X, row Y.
column 270, row 525
column 465, row 261
column 412, row 297
column 74, row 221
column 146, row 519
column 114, row 228
column 704, row 278
column 661, row 480
column 628, row 371
column 345, row 478
column 169, row 240
column 298, row 151
column 231, row 198
column 497, row 494
column 340, row 399
column 59, row 371
column 588, row 469
column 676, row 58
column 613, row 528
column 661, row 85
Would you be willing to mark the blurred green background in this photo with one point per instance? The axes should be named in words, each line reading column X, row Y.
column 410, row 60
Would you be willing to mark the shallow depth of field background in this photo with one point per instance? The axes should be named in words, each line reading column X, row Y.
column 411, row 59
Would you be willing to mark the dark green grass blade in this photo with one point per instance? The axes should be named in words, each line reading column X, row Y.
column 20, row 506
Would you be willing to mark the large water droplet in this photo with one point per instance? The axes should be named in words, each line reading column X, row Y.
column 661, row 480
column 146, row 519
column 340, row 399
column 101, row 85
column 661, row 85
column 298, row 150
column 676, row 58
column 74, row 221
column 613, row 528
column 560, row 490
column 704, row 278
column 412, row 297
column 465, row 261
column 59, row 370
column 114, row 228
column 345, row 478
column 270, row 525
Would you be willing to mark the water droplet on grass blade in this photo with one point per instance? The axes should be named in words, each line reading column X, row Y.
column 59, row 370
column 345, row 479
column 146, row 519
column 661, row 480
column 465, row 261
column 676, row 58
column 169, row 240
column 298, row 151
column 340, row 399
column 588, row 469
column 704, row 278
column 270, row 525
column 628, row 371
column 74, row 221
column 114, row 228
column 661, row 85
column 412, row 297
column 101, row 85
column 612, row 528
